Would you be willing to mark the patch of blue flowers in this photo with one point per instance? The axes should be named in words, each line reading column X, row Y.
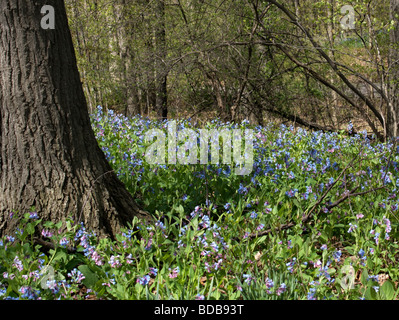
column 217, row 235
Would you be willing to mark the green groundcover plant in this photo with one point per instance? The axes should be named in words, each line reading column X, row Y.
column 315, row 219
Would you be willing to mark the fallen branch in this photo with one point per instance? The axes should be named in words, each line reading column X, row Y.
column 49, row 245
column 306, row 217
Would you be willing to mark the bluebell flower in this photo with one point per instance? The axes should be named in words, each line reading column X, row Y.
column 362, row 257
column 144, row 280
column 160, row 225
column 33, row 215
column 376, row 237
column 64, row 242
column 114, row 262
column 183, row 231
column 18, row 264
column 324, row 272
column 269, row 283
column 28, row 293
column 281, row 289
column 352, row 227
column 350, row 127
column 337, row 255
column 214, row 246
column 254, row 215
column 174, row 273
column 76, row 276
column 153, row 271
column 373, row 278
column 248, row 278
column 291, row 264
column 242, row 190
column 205, row 221
column 291, row 193
column 227, row 171
column 311, row 294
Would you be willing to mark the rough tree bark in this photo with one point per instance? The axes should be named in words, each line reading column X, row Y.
column 50, row 158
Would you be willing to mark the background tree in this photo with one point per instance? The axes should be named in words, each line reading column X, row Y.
column 50, row 159
column 359, row 68
column 160, row 60
column 257, row 60
column 393, row 104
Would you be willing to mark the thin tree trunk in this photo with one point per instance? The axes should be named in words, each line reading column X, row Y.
column 333, row 105
column 160, row 66
column 393, row 105
column 49, row 156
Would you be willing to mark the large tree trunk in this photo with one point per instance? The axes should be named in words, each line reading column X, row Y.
column 392, row 129
column 50, row 158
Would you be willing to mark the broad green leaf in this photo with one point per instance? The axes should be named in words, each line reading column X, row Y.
column 370, row 294
column 90, row 277
column 387, row 290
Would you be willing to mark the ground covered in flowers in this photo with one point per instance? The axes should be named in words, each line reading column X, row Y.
column 316, row 218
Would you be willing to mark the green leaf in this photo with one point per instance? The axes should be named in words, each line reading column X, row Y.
column 48, row 224
column 30, row 229
column 61, row 256
column 324, row 237
column 121, row 292
column 370, row 263
column 370, row 294
column 90, row 277
column 59, row 225
column 73, row 263
column 387, row 290
column 210, row 289
column 364, row 277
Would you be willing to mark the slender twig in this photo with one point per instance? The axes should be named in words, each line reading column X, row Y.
column 352, row 194
column 49, row 245
column 306, row 217
column 206, row 185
